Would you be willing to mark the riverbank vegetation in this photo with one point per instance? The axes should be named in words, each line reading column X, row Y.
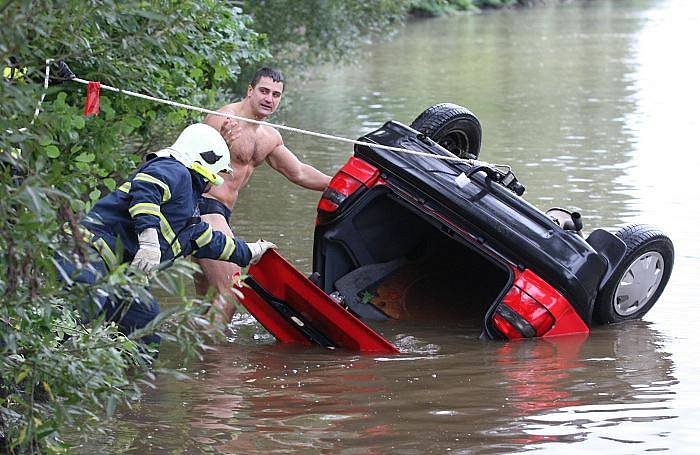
column 431, row 8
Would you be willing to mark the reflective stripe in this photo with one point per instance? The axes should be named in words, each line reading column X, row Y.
column 106, row 252
column 149, row 178
column 169, row 235
column 204, row 239
column 228, row 249
column 100, row 244
column 148, row 208
column 145, row 208
column 125, row 187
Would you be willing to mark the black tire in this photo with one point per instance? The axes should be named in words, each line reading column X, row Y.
column 454, row 127
column 641, row 277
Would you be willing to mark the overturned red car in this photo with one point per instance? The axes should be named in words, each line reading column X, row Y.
column 408, row 236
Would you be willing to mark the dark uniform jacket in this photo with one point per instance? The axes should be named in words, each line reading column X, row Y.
column 162, row 194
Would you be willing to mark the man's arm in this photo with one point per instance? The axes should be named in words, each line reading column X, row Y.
column 286, row 163
column 210, row 244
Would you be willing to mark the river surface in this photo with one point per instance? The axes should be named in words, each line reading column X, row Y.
column 595, row 105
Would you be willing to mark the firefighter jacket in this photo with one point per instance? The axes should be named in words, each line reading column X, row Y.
column 162, row 194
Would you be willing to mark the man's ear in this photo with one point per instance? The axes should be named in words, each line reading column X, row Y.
column 250, row 90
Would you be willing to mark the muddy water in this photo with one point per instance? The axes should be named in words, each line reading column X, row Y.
column 594, row 104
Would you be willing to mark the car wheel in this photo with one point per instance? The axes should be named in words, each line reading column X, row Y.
column 454, row 127
column 640, row 278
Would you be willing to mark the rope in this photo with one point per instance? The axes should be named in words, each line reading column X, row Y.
column 46, row 88
column 41, row 99
column 282, row 127
column 471, row 162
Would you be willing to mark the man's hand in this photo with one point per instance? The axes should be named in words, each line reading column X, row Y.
column 147, row 258
column 257, row 249
column 230, row 131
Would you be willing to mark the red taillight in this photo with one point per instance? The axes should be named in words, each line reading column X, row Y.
column 342, row 185
column 536, row 314
column 533, row 308
column 361, row 170
column 354, row 175
column 506, row 328
column 524, row 314
column 325, row 205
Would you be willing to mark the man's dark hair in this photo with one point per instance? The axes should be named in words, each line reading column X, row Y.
column 275, row 75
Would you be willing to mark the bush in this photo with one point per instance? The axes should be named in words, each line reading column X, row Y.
column 56, row 371
column 432, row 8
column 301, row 34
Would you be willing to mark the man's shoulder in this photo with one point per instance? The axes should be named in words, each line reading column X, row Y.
column 269, row 136
column 230, row 108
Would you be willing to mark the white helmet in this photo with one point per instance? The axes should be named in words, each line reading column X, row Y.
column 201, row 148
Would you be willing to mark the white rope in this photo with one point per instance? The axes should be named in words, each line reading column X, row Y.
column 46, row 88
column 41, row 99
column 282, row 127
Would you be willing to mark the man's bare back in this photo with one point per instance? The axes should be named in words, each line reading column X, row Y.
column 250, row 145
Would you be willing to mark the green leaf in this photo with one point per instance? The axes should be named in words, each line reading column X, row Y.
column 133, row 122
column 52, row 151
column 110, row 184
column 45, row 430
column 35, row 200
column 85, row 157
column 61, row 99
column 78, row 122
column 21, row 375
column 95, row 195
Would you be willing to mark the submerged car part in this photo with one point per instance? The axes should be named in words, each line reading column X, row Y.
column 295, row 310
column 412, row 204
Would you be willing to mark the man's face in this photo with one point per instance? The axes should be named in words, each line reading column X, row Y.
column 265, row 96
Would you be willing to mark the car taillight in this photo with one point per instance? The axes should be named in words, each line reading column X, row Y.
column 533, row 308
column 342, row 185
column 355, row 175
column 521, row 316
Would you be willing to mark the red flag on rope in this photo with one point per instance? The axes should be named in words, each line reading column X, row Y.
column 92, row 104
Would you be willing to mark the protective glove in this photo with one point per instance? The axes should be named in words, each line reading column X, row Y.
column 147, row 258
column 257, row 249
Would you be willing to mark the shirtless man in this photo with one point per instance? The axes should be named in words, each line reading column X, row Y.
column 250, row 145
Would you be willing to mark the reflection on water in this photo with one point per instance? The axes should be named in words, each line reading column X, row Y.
column 593, row 103
column 502, row 396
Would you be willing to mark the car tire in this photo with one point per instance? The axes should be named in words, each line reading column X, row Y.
column 454, row 127
column 641, row 277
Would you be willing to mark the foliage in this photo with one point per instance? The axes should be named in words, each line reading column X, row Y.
column 301, row 34
column 58, row 371
column 432, row 8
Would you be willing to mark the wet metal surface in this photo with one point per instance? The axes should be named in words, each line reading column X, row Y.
column 594, row 104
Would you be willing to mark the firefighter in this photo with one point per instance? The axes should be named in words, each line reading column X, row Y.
column 153, row 218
